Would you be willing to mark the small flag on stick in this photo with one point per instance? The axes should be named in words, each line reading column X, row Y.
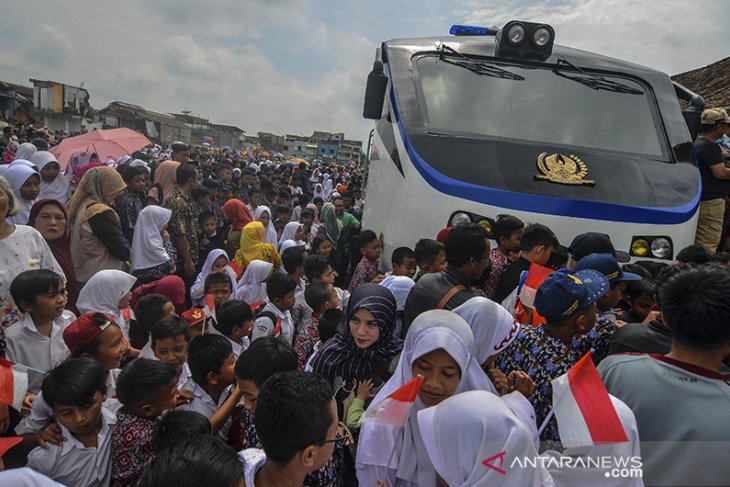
column 13, row 384
column 586, row 416
column 394, row 409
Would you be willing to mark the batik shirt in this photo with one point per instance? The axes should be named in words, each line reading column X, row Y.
column 157, row 272
column 128, row 206
column 305, row 340
column 544, row 358
column 500, row 262
column 131, row 448
column 330, row 475
column 182, row 223
column 365, row 271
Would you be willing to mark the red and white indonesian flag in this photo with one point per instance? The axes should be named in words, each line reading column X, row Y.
column 586, row 416
column 528, row 289
column 394, row 409
column 13, row 384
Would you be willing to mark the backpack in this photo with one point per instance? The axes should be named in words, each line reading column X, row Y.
column 258, row 311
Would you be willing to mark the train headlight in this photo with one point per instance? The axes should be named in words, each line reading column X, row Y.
column 640, row 248
column 524, row 40
column 658, row 247
column 459, row 219
column 515, row 34
column 542, row 36
column 486, row 225
column 661, row 248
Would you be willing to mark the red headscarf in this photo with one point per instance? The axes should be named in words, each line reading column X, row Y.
column 61, row 249
column 237, row 213
column 171, row 286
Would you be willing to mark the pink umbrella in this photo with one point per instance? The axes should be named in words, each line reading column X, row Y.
column 108, row 144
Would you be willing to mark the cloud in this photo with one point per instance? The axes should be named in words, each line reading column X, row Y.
column 654, row 34
column 292, row 66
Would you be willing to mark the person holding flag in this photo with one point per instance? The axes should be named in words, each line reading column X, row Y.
column 440, row 347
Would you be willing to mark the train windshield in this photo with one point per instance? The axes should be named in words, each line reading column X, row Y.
column 548, row 105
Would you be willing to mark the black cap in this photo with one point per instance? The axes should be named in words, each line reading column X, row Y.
column 179, row 147
column 595, row 243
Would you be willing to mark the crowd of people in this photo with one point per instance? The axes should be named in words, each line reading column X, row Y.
column 202, row 316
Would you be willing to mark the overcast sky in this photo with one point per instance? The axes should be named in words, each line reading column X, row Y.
column 294, row 66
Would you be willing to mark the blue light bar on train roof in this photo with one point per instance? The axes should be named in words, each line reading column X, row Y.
column 468, row 30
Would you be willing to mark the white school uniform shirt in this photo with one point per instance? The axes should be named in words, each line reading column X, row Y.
column 183, row 382
column 239, row 348
column 146, row 351
column 263, row 326
column 253, row 459
column 74, row 464
column 27, row 347
column 41, row 414
column 202, row 403
column 26, row 477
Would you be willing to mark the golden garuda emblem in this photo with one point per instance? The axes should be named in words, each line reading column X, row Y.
column 562, row 169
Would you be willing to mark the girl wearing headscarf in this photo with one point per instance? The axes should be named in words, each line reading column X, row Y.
column 467, row 428
column 366, row 347
column 263, row 214
column 25, row 151
column 292, row 231
column 252, row 288
column 26, row 185
column 216, row 261
column 109, row 292
column 49, row 217
column 163, row 183
column 153, row 256
column 494, row 329
column 319, row 192
column 97, row 241
column 331, row 228
column 171, row 286
column 328, row 185
column 440, row 347
column 253, row 247
column 313, row 207
column 10, row 151
column 54, row 185
column 78, row 164
column 239, row 216
column 590, row 472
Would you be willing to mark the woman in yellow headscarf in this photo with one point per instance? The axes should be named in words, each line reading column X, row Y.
column 254, row 248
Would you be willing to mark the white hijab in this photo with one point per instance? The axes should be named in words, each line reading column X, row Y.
column 327, row 185
column 147, row 246
column 432, row 330
column 270, row 235
column 319, row 193
column 208, row 265
column 102, row 293
column 287, row 244
column 580, row 477
column 400, row 286
column 25, row 151
column 251, row 287
column 493, row 326
column 290, row 231
column 468, row 428
column 17, row 175
column 56, row 189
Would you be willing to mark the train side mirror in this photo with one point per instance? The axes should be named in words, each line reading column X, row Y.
column 375, row 92
column 692, row 118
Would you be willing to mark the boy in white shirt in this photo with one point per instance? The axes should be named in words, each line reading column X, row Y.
column 235, row 321
column 275, row 318
column 37, row 339
column 76, row 391
column 211, row 364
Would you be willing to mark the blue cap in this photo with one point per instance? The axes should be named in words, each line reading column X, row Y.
column 607, row 265
column 563, row 294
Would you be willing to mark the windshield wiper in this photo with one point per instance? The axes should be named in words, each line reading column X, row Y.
column 479, row 67
column 592, row 80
